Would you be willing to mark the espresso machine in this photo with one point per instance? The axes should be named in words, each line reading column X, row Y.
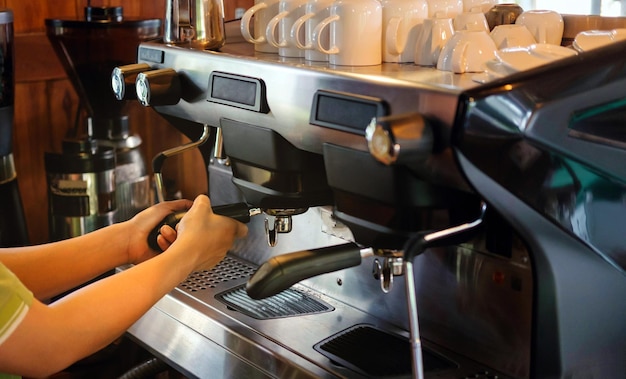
column 13, row 231
column 87, row 187
column 414, row 222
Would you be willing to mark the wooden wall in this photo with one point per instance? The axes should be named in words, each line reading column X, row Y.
column 46, row 104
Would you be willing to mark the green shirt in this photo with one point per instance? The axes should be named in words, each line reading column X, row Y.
column 15, row 299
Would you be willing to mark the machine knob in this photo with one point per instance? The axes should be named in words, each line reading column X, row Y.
column 158, row 87
column 399, row 138
column 123, row 80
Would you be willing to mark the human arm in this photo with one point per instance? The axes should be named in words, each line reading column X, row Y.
column 53, row 336
column 51, row 269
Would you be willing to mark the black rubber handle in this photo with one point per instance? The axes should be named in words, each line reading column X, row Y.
column 281, row 272
column 238, row 211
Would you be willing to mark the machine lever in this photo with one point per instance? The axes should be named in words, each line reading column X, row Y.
column 282, row 271
column 239, row 211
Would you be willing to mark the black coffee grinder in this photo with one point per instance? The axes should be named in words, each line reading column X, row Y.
column 13, row 230
column 82, row 194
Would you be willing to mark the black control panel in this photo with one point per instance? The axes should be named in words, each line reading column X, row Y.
column 238, row 91
column 344, row 111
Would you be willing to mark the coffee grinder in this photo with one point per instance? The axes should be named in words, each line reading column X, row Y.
column 13, row 230
column 85, row 193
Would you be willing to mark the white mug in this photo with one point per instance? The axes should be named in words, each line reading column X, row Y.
column 528, row 57
column 545, row 25
column 478, row 5
column 314, row 12
column 402, row 20
column 444, row 8
column 355, row 33
column 471, row 21
column 467, row 51
column 288, row 12
column 511, row 35
column 593, row 39
column 434, row 34
column 263, row 11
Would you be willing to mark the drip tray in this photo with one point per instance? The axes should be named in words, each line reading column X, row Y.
column 374, row 353
column 287, row 303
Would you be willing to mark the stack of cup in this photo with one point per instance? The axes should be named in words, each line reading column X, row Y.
column 482, row 6
column 278, row 32
column 471, row 20
column 402, row 20
column 342, row 32
column 545, row 25
column 355, row 33
column 512, row 35
column 444, row 8
column 263, row 11
column 467, row 51
column 434, row 34
column 369, row 32
column 314, row 12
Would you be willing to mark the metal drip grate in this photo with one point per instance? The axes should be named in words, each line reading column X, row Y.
column 228, row 269
column 285, row 304
column 374, row 353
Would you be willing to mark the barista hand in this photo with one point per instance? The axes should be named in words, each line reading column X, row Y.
column 198, row 228
column 198, row 221
column 52, row 336
column 139, row 227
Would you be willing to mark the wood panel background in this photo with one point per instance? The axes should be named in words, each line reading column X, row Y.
column 46, row 104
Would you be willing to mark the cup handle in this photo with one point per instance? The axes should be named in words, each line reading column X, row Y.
column 295, row 32
column 270, row 31
column 392, row 37
column 317, row 32
column 245, row 24
column 459, row 63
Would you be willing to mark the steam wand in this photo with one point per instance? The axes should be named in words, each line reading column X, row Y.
column 416, row 245
column 239, row 211
column 159, row 159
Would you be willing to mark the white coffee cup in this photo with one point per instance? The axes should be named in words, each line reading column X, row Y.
column 263, row 11
column 288, row 12
column 444, row 8
column 355, row 33
column 512, row 35
column 434, row 34
column 314, row 12
column 528, row 57
column 545, row 25
column 593, row 39
column 467, row 51
column 478, row 5
column 471, row 21
column 402, row 20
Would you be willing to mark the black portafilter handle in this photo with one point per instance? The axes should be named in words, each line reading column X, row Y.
column 238, row 211
column 281, row 272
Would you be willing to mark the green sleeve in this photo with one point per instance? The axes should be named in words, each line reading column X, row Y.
column 15, row 299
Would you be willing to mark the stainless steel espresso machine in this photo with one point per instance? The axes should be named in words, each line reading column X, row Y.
column 414, row 222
